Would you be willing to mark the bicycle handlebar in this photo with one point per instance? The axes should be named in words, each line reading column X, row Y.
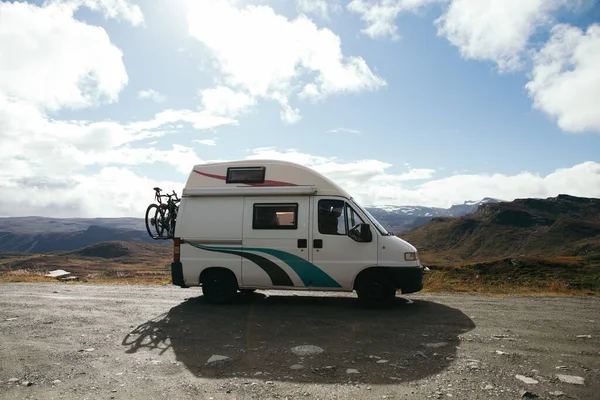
column 169, row 195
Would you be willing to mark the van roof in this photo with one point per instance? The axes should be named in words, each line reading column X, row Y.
column 272, row 175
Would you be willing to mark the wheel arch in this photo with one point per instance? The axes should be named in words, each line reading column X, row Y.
column 370, row 271
column 214, row 269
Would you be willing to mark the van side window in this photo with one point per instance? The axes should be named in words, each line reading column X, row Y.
column 332, row 218
column 275, row 216
column 353, row 218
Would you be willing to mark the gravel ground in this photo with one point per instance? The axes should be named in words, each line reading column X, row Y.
column 81, row 341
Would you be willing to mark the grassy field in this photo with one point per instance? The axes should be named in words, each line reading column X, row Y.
column 113, row 262
column 135, row 263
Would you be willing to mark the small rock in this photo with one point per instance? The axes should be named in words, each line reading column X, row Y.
column 352, row 371
column 26, row 383
column 500, row 352
column 10, row 319
column 216, row 358
column 526, row 379
column 307, row 350
column 584, row 336
column 56, row 381
column 381, row 361
column 488, row 387
column 575, row 380
column 13, row 380
column 296, row 366
column 562, row 367
column 558, row 393
column 269, row 382
column 435, row 345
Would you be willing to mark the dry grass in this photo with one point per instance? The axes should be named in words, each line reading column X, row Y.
column 445, row 282
column 523, row 276
column 142, row 266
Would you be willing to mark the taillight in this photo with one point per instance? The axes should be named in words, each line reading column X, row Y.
column 176, row 249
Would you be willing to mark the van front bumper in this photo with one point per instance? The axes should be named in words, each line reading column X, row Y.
column 408, row 279
column 177, row 274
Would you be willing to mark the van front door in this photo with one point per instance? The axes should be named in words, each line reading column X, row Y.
column 336, row 250
column 275, row 250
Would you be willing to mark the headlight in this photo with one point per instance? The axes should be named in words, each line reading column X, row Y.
column 410, row 256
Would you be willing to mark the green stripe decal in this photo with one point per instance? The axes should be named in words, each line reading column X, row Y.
column 309, row 273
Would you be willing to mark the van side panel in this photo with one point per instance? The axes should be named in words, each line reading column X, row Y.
column 276, row 255
column 207, row 226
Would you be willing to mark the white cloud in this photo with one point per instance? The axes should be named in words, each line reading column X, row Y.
column 318, row 7
column 222, row 100
column 84, row 195
column 566, row 78
column 269, row 56
column 115, row 9
column 206, row 142
column 52, row 60
column 347, row 130
column 152, row 95
column 493, row 30
column 371, row 183
column 380, row 15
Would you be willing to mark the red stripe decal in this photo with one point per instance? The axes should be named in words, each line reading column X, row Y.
column 265, row 183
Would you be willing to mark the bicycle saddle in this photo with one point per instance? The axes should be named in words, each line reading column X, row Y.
column 157, row 189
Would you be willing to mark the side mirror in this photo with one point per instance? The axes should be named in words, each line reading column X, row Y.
column 361, row 233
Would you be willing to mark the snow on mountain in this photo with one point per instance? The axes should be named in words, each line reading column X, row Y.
column 403, row 218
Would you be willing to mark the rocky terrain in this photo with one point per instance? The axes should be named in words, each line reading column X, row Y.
column 155, row 342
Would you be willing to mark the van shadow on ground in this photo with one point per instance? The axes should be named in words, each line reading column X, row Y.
column 258, row 333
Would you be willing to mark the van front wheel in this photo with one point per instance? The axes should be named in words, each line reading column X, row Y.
column 375, row 291
column 219, row 286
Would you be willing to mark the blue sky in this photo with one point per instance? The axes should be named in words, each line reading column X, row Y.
column 451, row 112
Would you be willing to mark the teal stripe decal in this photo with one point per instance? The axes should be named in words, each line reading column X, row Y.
column 309, row 273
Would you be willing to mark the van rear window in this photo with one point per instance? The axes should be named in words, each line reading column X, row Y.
column 245, row 174
column 275, row 216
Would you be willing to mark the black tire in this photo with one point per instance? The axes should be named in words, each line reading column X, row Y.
column 151, row 228
column 376, row 290
column 219, row 286
column 163, row 228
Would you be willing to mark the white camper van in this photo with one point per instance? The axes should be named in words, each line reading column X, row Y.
column 266, row 224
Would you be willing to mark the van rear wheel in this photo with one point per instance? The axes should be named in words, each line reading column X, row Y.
column 375, row 290
column 219, row 286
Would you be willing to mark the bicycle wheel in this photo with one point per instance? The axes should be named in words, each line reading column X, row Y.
column 162, row 223
column 151, row 220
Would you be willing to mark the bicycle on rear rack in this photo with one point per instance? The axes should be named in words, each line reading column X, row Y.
column 163, row 218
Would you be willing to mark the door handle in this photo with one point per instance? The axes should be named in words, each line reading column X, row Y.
column 302, row 243
column 318, row 243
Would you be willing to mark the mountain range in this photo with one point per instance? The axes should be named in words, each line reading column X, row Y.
column 43, row 235
column 400, row 219
column 562, row 226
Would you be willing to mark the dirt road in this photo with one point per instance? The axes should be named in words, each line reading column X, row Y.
column 77, row 341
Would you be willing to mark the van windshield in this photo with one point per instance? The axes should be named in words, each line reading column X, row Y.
column 371, row 218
